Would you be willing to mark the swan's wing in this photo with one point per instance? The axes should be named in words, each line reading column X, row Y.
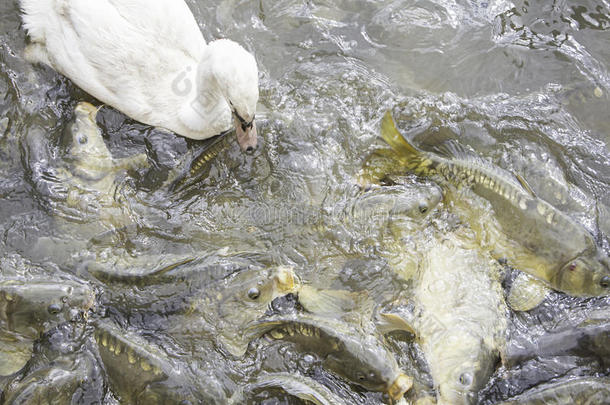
column 124, row 52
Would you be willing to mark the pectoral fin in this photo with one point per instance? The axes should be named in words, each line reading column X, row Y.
column 328, row 302
column 526, row 293
column 395, row 321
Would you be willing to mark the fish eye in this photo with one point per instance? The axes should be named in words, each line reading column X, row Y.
column 572, row 266
column 253, row 293
column 605, row 282
column 54, row 309
column 465, row 379
column 360, row 376
column 423, row 208
column 82, row 139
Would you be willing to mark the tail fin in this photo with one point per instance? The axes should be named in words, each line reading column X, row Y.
column 394, row 138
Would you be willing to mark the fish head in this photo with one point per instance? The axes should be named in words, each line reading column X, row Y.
column 84, row 142
column 586, row 275
column 49, row 303
column 465, row 368
column 247, row 296
column 369, row 364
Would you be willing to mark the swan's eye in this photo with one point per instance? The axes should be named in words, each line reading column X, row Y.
column 423, row 208
column 253, row 293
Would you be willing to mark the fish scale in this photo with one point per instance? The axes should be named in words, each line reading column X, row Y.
column 543, row 241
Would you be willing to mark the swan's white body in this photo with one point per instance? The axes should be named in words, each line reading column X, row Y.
column 148, row 59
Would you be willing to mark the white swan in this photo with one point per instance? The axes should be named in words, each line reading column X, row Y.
column 148, row 59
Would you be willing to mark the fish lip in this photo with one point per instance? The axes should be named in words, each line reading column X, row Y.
column 401, row 384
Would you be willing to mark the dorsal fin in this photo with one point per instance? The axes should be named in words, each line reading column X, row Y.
column 453, row 150
column 394, row 138
column 525, row 184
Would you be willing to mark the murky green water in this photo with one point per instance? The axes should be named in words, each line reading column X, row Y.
column 524, row 83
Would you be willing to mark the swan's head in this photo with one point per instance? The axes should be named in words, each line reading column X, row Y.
column 237, row 77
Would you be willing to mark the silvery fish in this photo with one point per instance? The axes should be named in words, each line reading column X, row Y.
column 29, row 307
column 458, row 314
column 90, row 161
column 299, row 386
column 591, row 340
column 352, row 353
column 557, row 250
column 582, row 390
column 56, row 383
column 140, row 373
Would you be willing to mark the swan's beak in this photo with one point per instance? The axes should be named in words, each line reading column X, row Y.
column 246, row 135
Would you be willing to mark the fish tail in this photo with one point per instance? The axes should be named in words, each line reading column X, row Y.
column 395, row 139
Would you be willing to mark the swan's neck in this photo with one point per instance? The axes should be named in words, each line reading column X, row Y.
column 205, row 111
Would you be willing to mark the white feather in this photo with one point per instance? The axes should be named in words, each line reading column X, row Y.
column 146, row 58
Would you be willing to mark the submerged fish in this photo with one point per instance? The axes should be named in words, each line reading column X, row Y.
column 584, row 341
column 583, row 390
column 354, row 354
column 300, row 386
column 90, row 160
column 393, row 201
column 141, row 374
column 223, row 308
column 557, row 250
column 458, row 315
column 29, row 307
column 56, row 383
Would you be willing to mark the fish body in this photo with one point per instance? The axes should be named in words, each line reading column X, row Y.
column 299, row 386
column 54, row 384
column 458, row 314
column 219, row 311
column 29, row 307
column 582, row 390
column 141, row 374
column 354, row 354
column 90, row 160
column 557, row 250
column 583, row 341
column 393, row 201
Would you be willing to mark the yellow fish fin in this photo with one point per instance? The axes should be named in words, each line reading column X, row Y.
column 525, row 184
column 390, row 134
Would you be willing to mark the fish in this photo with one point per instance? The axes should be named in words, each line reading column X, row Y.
column 140, row 373
column 90, row 160
column 393, row 201
column 581, row 390
column 554, row 248
column 179, row 179
column 52, row 384
column 590, row 340
column 299, row 386
column 221, row 310
column 29, row 307
column 457, row 314
column 352, row 353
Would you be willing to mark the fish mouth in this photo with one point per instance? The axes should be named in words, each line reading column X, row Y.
column 400, row 386
column 286, row 279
